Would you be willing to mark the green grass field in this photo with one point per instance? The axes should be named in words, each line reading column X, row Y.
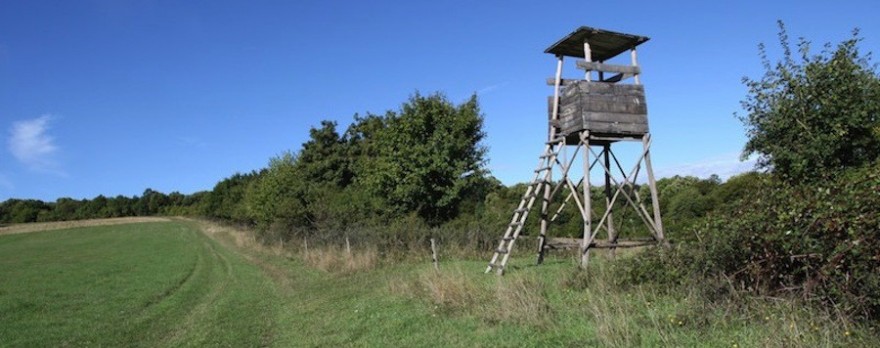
column 150, row 284
column 170, row 284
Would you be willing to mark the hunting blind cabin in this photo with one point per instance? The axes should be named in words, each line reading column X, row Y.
column 588, row 116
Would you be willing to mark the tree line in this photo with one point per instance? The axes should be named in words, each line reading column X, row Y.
column 150, row 203
column 392, row 180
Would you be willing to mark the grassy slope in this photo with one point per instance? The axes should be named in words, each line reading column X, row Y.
column 166, row 284
column 137, row 284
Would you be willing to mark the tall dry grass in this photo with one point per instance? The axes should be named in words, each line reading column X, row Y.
column 607, row 313
column 523, row 300
column 519, row 299
column 241, row 238
column 327, row 258
column 340, row 260
column 449, row 290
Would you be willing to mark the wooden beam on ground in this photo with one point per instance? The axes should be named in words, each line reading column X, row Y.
column 576, row 243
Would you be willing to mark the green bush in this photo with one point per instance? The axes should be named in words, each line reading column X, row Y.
column 819, row 240
column 811, row 115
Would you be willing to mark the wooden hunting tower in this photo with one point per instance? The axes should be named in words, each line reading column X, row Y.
column 604, row 107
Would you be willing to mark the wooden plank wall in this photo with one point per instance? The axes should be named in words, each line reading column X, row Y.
column 605, row 108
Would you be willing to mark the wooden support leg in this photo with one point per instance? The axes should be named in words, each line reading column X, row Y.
column 652, row 184
column 587, row 213
column 612, row 233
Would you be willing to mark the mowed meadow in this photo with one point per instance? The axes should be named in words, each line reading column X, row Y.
column 143, row 284
column 187, row 282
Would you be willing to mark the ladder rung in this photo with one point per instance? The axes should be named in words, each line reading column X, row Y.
column 521, row 210
column 518, row 223
column 541, row 181
column 542, row 169
column 546, row 155
column 507, row 239
column 555, row 140
column 501, row 251
column 492, row 265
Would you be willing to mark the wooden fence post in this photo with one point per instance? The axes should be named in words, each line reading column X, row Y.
column 434, row 257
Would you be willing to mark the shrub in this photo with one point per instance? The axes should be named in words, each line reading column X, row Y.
column 820, row 241
column 812, row 115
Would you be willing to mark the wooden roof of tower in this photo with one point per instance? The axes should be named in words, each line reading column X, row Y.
column 604, row 44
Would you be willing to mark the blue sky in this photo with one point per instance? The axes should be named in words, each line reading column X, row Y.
column 112, row 97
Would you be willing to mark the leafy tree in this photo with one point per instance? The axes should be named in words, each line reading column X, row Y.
column 120, row 206
column 226, row 201
column 428, row 157
column 5, row 212
column 323, row 159
column 94, row 208
column 175, row 198
column 339, row 213
column 194, row 203
column 279, row 198
column 362, row 138
column 738, row 187
column 21, row 211
column 152, row 202
column 66, row 208
column 687, row 204
column 813, row 115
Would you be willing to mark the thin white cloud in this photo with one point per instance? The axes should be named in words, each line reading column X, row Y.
column 489, row 89
column 724, row 166
column 193, row 142
column 30, row 143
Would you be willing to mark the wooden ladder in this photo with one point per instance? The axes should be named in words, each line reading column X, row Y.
column 541, row 182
